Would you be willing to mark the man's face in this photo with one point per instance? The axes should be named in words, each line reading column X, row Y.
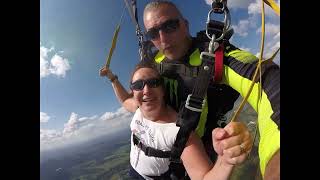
column 169, row 32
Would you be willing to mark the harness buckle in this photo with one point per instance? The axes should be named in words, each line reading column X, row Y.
column 194, row 103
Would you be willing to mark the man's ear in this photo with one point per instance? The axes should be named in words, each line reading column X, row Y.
column 186, row 23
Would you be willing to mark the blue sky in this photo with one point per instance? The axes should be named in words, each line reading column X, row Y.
column 75, row 37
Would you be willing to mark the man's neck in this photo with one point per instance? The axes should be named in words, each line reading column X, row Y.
column 187, row 45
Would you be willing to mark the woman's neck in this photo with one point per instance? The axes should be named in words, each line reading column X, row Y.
column 165, row 114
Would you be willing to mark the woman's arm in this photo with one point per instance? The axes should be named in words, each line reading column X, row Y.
column 232, row 144
column 198, row 164
column 125, row 98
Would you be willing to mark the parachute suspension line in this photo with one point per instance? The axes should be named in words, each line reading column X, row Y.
column 258, row 68
column 123, row 10
column 114, row 40
column 254, row 79
column 132, row 8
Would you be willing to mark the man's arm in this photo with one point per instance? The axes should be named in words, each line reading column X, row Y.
column 239, row 67
column 125, row 98
column 273, row 167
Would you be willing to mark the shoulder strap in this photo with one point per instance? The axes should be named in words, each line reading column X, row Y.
column 190, row 113
column 182, row 69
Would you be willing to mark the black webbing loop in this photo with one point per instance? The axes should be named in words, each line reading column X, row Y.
column 150, row 151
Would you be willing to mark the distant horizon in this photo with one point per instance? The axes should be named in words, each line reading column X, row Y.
column 56, row 153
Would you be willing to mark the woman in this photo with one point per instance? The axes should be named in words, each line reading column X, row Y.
column 153, row 127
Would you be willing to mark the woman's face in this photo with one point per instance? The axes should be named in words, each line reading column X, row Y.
column 147, row 89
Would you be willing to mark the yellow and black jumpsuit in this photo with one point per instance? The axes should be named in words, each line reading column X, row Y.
column 239, row 67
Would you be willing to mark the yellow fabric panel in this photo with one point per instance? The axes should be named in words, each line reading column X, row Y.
column 195, row 59
column 269, row 134
column 241, row 84
column 203, row 119
column 243, row 56
column 159, row 57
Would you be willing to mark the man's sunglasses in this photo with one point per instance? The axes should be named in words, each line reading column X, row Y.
column 139, row 84
column 168, row 26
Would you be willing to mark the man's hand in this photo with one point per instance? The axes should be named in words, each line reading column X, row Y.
column 233, row 142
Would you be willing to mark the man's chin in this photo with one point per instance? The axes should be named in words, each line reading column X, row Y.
column 169, row 53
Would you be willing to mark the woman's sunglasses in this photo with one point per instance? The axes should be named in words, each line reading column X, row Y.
column 139, row 84
column 168, row 26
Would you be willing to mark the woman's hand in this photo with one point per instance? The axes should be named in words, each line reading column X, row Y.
column 233, row 143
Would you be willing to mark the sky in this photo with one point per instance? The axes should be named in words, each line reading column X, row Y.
column 76, row 104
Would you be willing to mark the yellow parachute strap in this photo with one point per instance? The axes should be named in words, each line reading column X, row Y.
column 114, row 40
column 273, row 5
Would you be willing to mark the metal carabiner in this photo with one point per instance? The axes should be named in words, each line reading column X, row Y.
column 226, row 21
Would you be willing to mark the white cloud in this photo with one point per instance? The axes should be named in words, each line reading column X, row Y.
column 44, row 66
column 245, row 49
column 269, row 50
column 242, row 28
column 60, row 65
column 270, row 29
column 234, row 3
column 277, row 36
column 255, row 8
column 44, row 117
column 81, row 129
column 272, row 43
column 48, row 135
column 57, row 65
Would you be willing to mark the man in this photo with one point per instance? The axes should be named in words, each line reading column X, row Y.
column 169, row 32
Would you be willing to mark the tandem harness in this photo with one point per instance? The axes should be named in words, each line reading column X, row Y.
column 189, row 114
column 212, row 65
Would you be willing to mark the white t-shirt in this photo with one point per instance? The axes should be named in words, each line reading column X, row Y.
column 160, row 136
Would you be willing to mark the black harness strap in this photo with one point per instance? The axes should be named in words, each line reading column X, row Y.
column 150, row 151
column 177, row 68
column 189, row 115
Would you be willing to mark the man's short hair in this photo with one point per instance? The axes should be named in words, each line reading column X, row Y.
column 156, row 4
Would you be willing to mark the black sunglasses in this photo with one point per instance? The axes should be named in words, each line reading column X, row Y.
column 139, row 84
column 168, row 26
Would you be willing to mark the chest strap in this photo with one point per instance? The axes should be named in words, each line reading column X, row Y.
column 193, row 71
column 177, row 68
column 150, row 151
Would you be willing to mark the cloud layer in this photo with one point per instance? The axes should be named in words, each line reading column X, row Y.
column 81, row 129
column 44, row 117
column 233, row 4
column 56, row 65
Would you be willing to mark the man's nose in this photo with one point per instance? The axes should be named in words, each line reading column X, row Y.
column 163, row 36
